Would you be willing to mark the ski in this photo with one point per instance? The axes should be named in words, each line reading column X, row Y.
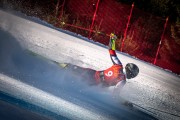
column 62, row 65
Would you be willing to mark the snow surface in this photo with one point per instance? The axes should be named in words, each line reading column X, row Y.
column 155, row 89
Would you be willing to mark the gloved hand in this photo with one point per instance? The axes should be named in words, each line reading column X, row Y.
column 113, row 36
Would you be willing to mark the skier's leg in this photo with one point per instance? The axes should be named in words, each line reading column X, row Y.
column 84, row 74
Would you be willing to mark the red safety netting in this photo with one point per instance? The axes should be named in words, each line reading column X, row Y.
column 139, row 34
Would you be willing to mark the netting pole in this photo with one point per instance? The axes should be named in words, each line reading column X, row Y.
column 162, row 36
column 57, row 8
column 62, row 10
column 93, row 19
column 127, row 25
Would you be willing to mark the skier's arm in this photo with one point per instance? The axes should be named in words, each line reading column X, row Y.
column 112, row 49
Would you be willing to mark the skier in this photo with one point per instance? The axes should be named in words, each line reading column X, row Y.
column 110, row 76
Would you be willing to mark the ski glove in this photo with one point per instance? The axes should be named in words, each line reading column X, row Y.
column 113, row 36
